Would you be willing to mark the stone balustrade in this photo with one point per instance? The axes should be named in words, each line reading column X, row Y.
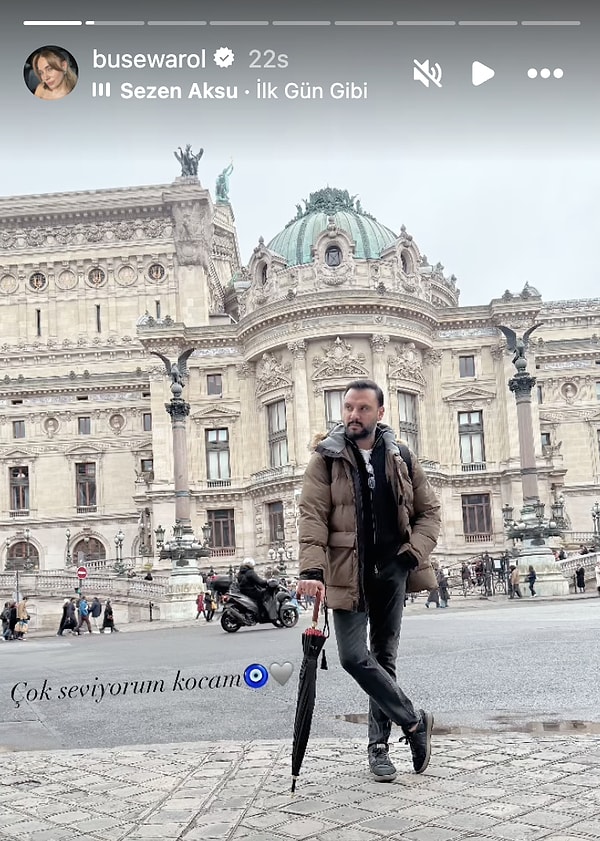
column 63, row 584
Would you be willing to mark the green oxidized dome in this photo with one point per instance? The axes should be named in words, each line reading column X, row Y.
column 294, row 243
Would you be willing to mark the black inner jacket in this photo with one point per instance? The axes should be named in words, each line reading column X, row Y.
column 380, row 532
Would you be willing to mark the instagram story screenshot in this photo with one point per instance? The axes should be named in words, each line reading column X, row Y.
column 300, row 420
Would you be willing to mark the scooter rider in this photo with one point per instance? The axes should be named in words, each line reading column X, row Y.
column 255, row 588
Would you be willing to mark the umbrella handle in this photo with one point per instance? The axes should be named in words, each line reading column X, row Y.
column 316, row 608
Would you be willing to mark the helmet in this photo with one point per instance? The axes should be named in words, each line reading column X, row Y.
column 248, row 562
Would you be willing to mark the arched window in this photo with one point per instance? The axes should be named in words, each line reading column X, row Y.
column 88, row 549
column 333, row 256
column 264, row 273
column 22, row 555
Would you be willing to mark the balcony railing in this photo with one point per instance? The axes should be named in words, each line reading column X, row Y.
column 87, row 509
column 479, row 538
column 19, row 512
column 223, row 552
column 272, row 474
column 474, row 467
column 218, row 483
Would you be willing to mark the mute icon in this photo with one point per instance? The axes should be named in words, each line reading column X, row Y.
column 481, row 73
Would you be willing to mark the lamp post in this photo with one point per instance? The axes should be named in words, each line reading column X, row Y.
column 531, row 528
column 27, row 538
column 596, row 522
column 184, row 550
column 68, row 558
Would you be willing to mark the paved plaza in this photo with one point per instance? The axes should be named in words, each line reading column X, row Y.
column 527, row 769
column 498, row 788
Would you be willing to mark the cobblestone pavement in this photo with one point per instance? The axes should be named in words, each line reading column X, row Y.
column 499, row 788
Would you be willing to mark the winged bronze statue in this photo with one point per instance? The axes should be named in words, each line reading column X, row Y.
column 515, row 344
column 176, row 370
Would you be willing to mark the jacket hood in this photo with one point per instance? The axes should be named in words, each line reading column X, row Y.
column 334, row 442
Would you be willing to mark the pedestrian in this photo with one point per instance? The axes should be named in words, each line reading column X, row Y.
column 210, row 605
column 515, row 582
column 580, row 578
column 443, row 586
column 367, row 516
column 597, row 572
column 199, row 604
column 63, row 619
column 5, row 616
column 531, row 579
column 22, row 625
column 84, row 614
column 108, row 620
column 583, row 550
column 433, row 597
column 95, row 611
column 12, row 621
column 71, row 620
column 562, row 555
column 465, row 574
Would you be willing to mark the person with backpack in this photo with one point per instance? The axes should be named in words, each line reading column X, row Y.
column 368, row 518
column 84, row 615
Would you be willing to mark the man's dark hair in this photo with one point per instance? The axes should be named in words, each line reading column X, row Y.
column 362, row 385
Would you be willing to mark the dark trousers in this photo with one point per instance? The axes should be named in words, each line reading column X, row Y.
column 374, row 669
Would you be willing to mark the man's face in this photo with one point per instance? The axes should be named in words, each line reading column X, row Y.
column 361, row 413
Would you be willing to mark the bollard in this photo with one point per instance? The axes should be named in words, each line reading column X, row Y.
column 151, row 605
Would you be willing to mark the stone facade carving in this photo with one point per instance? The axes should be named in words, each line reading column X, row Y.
column 379, row 342
column 432, row 356
column 297, row 348
column 271, row 373
column 193, row 234
column 339, row 361
column 407, row 364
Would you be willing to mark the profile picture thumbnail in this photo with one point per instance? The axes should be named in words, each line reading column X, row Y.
column 51, row 72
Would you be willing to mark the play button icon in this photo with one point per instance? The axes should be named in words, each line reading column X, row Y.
column 481, row 73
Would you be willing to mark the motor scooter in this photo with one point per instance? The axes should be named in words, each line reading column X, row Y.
column 240, row 610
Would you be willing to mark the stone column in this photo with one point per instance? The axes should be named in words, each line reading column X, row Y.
column 534, row 550
column 178, row 409
column 521, row 385
column 301, row 412
column 378, row 346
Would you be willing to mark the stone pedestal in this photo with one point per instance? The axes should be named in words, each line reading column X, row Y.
column 550, row 578
column 180, row 601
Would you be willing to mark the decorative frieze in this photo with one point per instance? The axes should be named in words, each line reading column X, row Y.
column 66, row 236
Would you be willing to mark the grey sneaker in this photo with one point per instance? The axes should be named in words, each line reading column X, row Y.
column 420, row 742
column 380, row 765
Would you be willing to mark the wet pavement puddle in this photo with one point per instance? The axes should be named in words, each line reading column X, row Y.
column 501, row 724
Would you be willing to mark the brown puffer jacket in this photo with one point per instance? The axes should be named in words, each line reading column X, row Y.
column 328, row 514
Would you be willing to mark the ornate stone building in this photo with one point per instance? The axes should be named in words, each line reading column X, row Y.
column 91, row 282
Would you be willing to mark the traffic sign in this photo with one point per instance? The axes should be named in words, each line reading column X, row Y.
column 81, row 573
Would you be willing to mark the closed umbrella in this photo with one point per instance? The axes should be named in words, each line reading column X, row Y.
column 313, row 641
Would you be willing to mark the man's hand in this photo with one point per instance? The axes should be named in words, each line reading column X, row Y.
column 310, row 587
